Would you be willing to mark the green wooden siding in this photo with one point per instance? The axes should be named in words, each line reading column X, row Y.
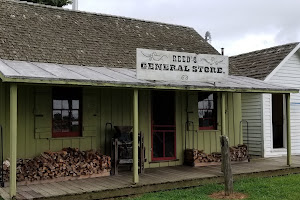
column 209, row 140
column 109, row 105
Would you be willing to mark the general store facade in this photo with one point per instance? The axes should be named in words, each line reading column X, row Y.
column 63, row 93
column 150, row 108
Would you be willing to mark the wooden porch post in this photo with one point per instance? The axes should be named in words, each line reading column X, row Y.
column 223, row 115
column 288, row 128
column 135, row 135
column 13, row 139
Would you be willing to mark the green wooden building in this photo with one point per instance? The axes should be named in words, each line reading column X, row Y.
column 66, row 74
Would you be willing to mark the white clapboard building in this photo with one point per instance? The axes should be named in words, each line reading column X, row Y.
column 265, row 113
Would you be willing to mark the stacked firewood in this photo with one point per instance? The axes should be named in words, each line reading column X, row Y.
column 67, row 162
column 197, row 156
column 192, row 156
column 239, row 153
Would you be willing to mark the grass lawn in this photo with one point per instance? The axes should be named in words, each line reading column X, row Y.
column 284, row 187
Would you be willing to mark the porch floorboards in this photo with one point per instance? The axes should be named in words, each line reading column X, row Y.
column 154, row 179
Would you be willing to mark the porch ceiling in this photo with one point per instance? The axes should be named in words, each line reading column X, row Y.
column 50, row 73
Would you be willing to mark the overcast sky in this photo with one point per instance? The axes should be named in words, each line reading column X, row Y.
column 237, row 25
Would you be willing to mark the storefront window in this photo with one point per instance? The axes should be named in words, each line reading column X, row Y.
column 66, row 118
column 207, row 111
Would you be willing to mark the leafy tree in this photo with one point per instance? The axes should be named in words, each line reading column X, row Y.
column 58, row 3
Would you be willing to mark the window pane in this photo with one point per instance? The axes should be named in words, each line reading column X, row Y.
column 205, row 114
column 206, row 123
column 210, row 105
column 65, row 115
column 201, row 122
column 209, row 114
column 200, row 105
column 75, row 115
column 169, row 144
column 65, row 104
column 203, row 96
column 57, row 104
column 205, row 103
column 212, row 123
column 65, row 126
column 201, row 113
column 56, row 115
column 211, row 97
column 56, row 126
column 158, row 146
column 75, row 104
column 75, row 126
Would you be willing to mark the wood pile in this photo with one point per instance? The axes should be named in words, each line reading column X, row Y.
column 67, row 162
column 239, row 153
column 194, row 156
column 197, row 156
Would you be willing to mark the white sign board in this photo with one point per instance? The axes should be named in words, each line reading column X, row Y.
column 180, row 66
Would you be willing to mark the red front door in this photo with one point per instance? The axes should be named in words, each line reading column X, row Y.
column 163, row 126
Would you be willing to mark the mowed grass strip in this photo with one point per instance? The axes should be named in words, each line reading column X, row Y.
column 283, row 187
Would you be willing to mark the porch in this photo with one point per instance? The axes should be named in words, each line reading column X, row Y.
column 154, row 179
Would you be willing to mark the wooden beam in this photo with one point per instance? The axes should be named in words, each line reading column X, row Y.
column 135, row 136
column 223, row 114
column 13, row 139
column 288, row 128
column 145, row 86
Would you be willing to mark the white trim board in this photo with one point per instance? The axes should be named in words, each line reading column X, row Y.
column 282, row 63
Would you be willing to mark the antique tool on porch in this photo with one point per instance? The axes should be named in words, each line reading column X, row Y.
column 187, row 130
column 122, row 148
column 248, row 144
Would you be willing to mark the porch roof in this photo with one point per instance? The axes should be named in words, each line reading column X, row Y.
column 50, row 73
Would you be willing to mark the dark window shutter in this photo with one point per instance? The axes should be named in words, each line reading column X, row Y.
column 90, row 105
column 43, row 113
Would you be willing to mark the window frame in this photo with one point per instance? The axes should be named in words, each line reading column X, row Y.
column 70, row 94
column 214, row 118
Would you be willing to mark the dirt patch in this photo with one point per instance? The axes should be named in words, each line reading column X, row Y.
column 221, row 195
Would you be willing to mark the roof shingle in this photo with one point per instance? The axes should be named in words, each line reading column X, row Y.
column 259, row 64
column 38, row 33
